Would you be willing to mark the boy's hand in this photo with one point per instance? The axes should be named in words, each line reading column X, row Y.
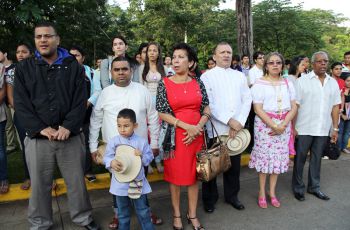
column 116, row 165
column 155, row 152
column 138, row 153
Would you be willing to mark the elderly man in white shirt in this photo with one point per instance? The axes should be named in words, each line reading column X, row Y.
column 124, row 94
column 256, row 71
column 318, row 99
column 230, row 103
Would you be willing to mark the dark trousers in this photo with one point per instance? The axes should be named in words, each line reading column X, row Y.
column 210, row 193
column 316, row 146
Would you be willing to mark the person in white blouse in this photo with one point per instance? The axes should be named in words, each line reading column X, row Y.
column 275, row 107
column 256, row 71
column 230, row 103
column 124, row 94
column 318, row 99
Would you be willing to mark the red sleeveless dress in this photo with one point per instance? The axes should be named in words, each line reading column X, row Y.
column 185, row 101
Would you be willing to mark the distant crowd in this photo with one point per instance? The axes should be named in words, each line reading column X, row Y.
column 159, row 105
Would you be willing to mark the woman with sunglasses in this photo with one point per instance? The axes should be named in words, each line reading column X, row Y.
column 275, row 107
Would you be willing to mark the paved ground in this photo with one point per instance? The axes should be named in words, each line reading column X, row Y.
column 310, row 214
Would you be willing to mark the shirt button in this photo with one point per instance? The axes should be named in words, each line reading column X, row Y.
column 52, row 109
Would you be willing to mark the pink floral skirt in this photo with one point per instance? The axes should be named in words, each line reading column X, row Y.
column 270, row 154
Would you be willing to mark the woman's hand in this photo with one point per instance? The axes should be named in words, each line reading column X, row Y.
column 192, row 131
column 344, row 117
column 278, row 130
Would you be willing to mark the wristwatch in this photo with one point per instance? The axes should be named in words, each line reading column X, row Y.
column 336, row 129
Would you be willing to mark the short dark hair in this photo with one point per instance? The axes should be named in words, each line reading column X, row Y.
column 236, row 57
column 245, row 55
column 142, row 45
column 335, row 64
column 127, row 114
column 256, row 55
column 346, row 53
column 120, row 58
column 4, row 50
column 27, row 45
column 46, row 24
column 287, row 62
column 79, row 48
column 121, row 38
column 191, row 53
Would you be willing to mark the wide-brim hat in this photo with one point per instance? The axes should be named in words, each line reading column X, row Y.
column 131, row 163
column 238, row 144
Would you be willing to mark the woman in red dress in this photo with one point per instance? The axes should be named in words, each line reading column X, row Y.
column 182, row 104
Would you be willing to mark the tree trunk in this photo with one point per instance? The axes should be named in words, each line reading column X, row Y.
column 244, row 28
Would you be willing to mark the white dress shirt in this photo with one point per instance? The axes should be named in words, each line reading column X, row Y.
column 229, row 97
column 113, row 99
column 254, row 74
column 315, row 104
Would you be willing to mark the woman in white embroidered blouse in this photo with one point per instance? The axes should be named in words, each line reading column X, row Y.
column 275, row 107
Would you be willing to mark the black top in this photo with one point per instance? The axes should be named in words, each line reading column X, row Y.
column 52, row 96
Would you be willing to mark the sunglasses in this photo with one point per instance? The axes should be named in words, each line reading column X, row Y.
column 274, row 63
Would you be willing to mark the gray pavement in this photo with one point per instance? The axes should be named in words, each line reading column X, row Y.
column 313, row 213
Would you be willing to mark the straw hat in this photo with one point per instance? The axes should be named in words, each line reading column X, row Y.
column 238, row 144
column 131, row 163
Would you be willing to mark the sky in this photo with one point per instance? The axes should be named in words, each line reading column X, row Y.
column 338, row 6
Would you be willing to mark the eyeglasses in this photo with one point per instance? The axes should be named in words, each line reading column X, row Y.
column 322, row 61
column 124, row 69
column 45, row 36
column 260, row 57
column 274, row 63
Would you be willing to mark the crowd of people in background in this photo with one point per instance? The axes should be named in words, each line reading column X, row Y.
column 291, row 108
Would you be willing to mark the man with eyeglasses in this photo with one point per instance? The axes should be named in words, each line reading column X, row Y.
column 124, row 93
column 318, row 99
column 256, row 71
column 50, row 100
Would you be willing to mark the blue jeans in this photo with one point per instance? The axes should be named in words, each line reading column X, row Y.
column 141, row 208
column 344, row 134
column 3, row 156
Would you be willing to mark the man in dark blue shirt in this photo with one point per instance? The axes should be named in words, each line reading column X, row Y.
column 50, row 100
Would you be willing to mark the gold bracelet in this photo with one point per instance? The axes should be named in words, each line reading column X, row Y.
column 175, row 123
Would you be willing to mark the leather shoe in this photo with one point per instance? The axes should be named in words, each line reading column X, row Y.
column 299, row 196
column 319, row 195
column 92, row 226
column 209, row 208
column 237, row 205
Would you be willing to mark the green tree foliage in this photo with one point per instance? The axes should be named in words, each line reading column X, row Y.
column 277, row 25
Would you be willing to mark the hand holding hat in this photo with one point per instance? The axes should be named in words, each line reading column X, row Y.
column 127, row 163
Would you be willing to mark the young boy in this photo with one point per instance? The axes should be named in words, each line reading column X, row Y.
column 126, row 122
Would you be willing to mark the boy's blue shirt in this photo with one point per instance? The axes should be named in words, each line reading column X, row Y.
column 121, row 189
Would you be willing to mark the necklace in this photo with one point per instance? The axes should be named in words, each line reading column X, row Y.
column 278, row 93
column 184, row 84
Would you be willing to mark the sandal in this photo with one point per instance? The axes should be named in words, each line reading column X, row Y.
column 177, row 228
column 156, row 220
column 25, row 185
column 189, row 221
column 262, row 202
column 4, row 187
column 275, row 202
column 114, row 224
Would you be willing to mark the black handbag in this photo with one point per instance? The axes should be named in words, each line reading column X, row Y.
column 331, row 150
